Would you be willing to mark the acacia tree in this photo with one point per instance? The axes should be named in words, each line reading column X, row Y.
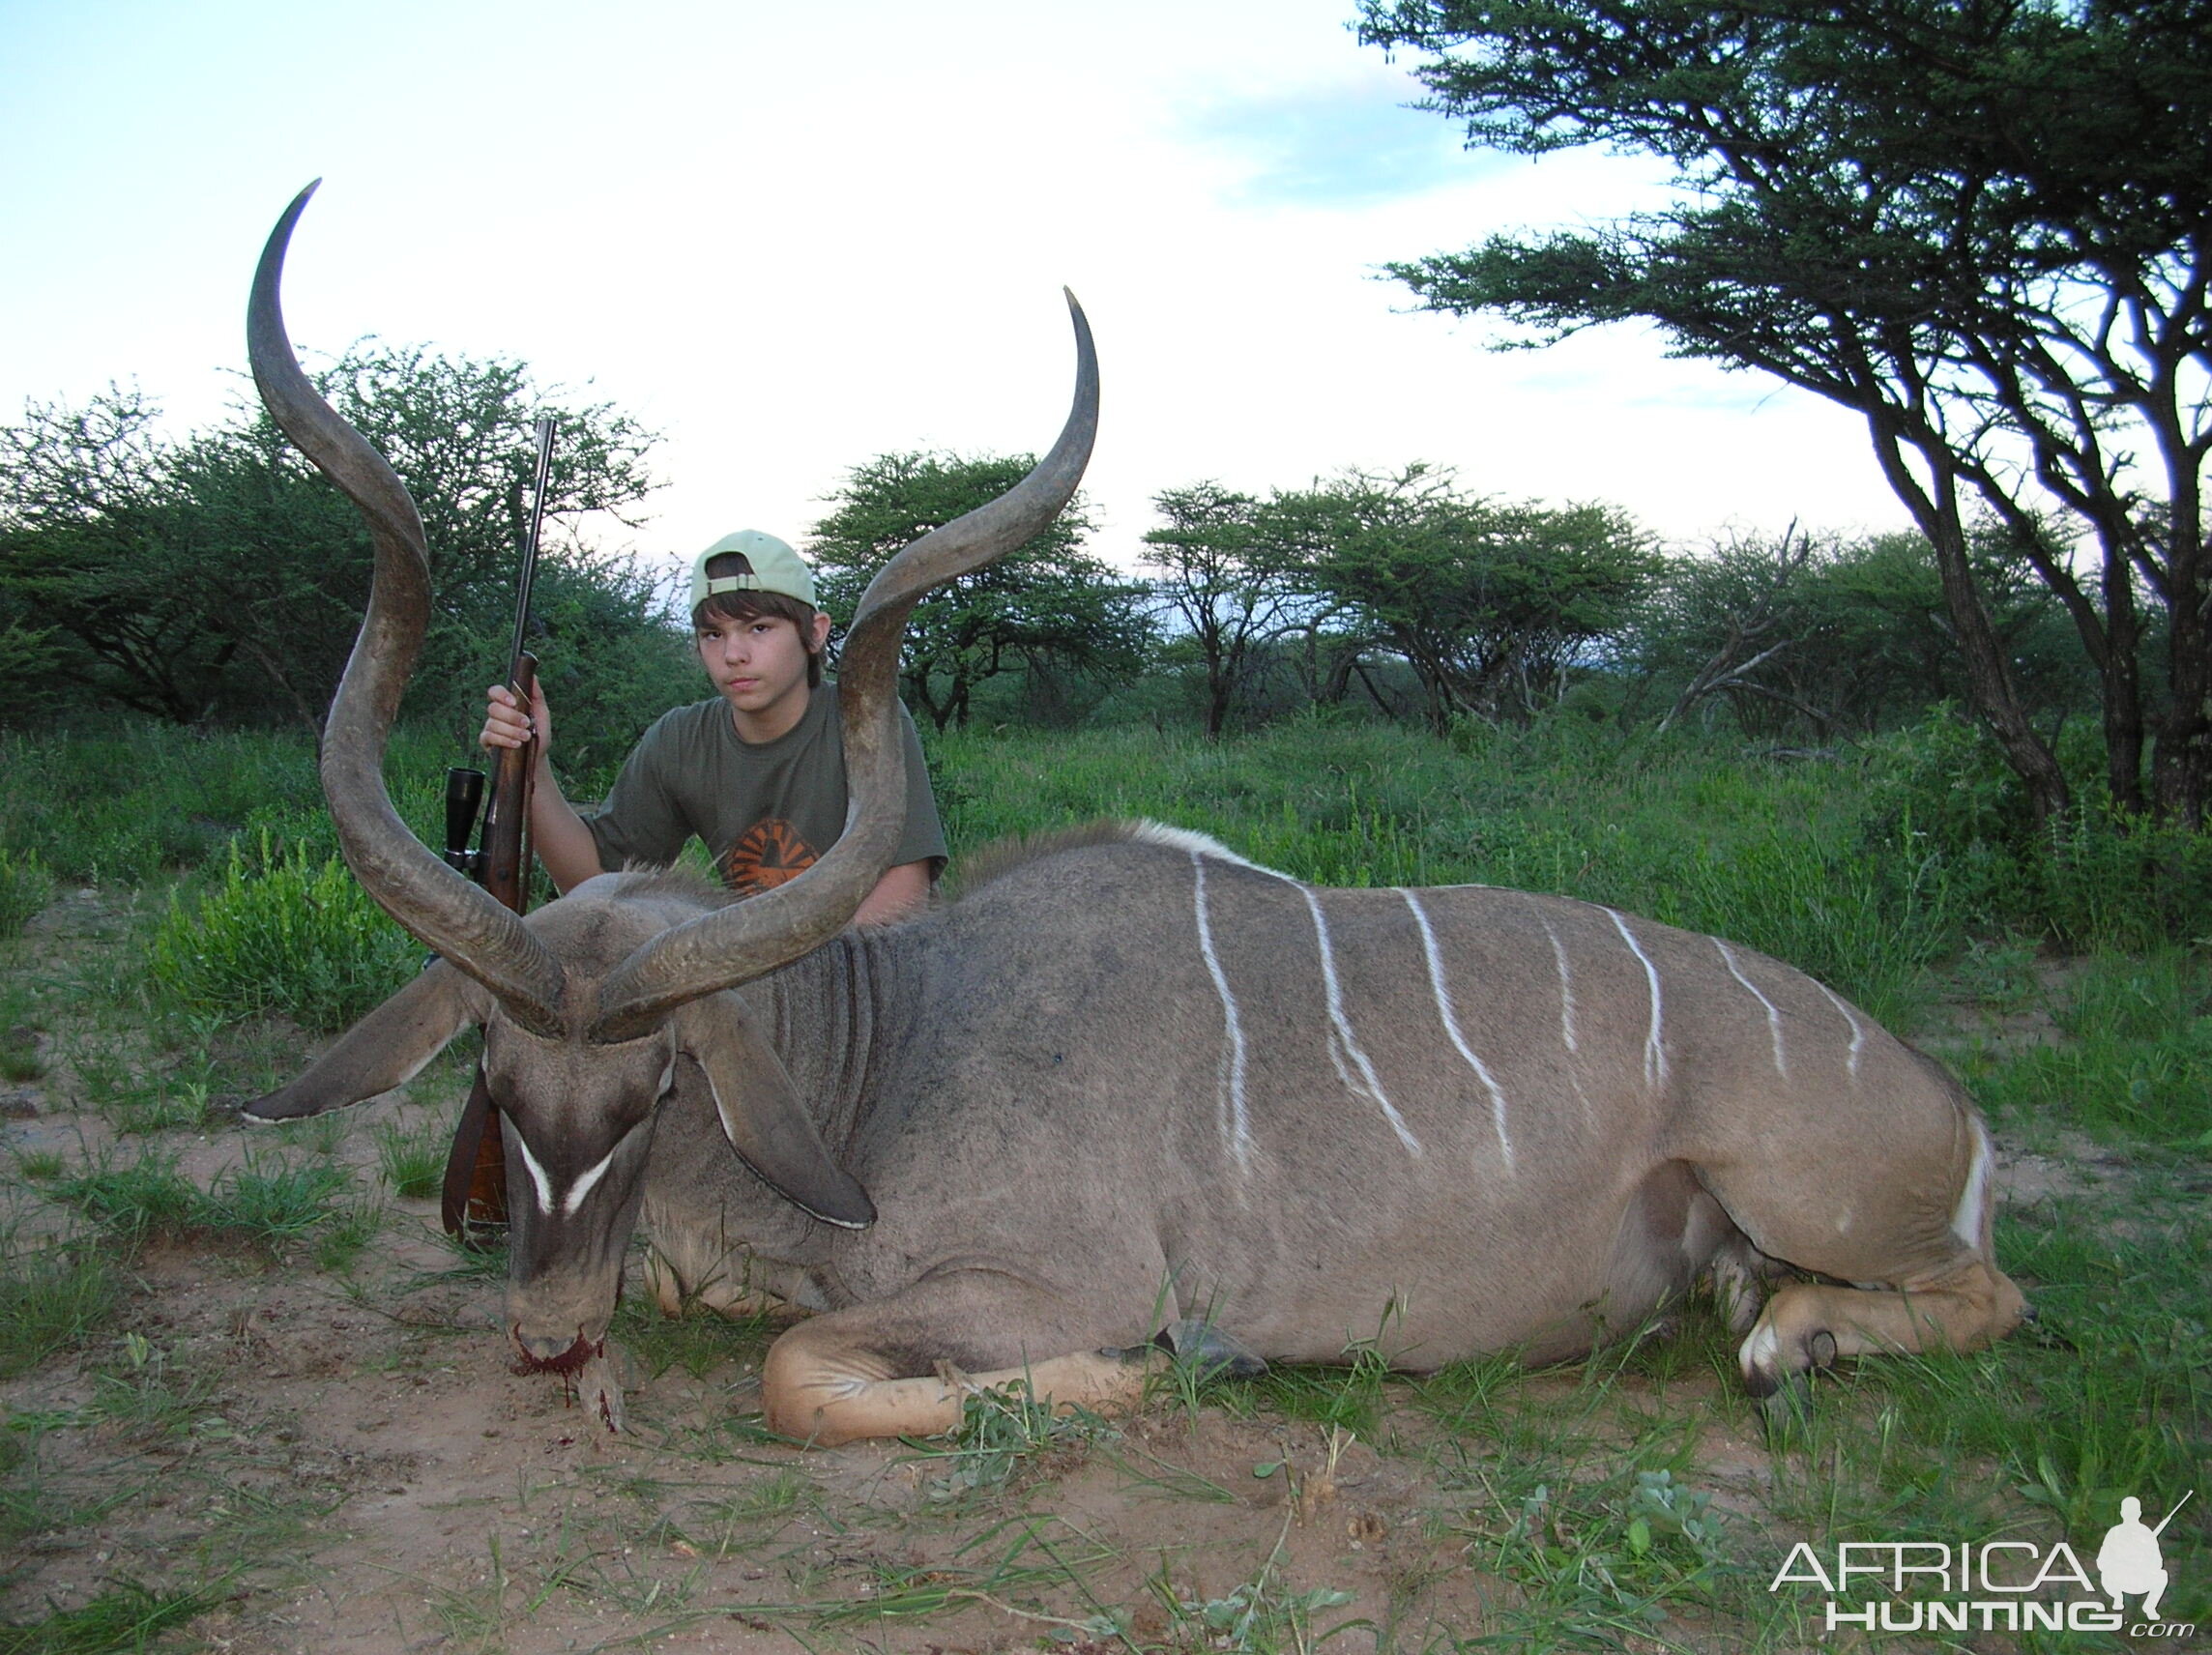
column 1227, row 585
column 220, row 575
column 1982, row 227
column 1046, row 608
column 1827, row 633
column 1487, row 602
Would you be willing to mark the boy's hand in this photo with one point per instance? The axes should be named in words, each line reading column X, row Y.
column 507, row 726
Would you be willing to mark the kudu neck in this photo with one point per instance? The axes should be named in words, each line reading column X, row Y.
column 833, row 1016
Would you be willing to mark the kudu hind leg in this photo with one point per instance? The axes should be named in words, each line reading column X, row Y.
column 905, row 1367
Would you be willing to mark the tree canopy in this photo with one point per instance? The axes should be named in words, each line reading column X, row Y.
column 1048, row 607
column 1487, row 601
column 1982, row 227
column 1227, row 585
column 216, row 575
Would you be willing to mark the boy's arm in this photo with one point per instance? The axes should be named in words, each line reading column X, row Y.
column 557, row 834
column 902, row 891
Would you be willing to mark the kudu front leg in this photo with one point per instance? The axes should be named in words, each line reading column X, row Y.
column 906, row 1366
column 1808, row 1325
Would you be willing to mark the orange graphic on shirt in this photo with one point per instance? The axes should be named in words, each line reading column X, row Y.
column 771, row 853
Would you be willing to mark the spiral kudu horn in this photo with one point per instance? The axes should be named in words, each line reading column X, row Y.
column 734, row 944
column 437, row 906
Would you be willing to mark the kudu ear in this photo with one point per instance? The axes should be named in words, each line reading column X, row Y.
column 762, row 1115
column 384, row 1049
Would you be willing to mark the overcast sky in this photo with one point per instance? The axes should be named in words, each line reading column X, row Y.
column 791, row 238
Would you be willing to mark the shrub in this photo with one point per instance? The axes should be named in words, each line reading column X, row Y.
column 284, row 934
column 2098, row 878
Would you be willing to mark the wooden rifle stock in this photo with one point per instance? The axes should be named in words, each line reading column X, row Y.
column 475, row 1196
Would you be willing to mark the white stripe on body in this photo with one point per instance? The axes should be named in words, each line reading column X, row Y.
column 1197, row 844
column 1566, row 1009
column 1229, row 1073
column 1444, row 1009
column 1342, row 1044
column 1566, row 985
column 1858, row 1029
column 1654, row 1047
column 1773, row 1014
column 1973, row 1214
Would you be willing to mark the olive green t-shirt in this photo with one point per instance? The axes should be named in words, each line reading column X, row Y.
column 764, row 810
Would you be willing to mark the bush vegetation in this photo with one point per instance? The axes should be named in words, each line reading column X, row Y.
column 282, row 931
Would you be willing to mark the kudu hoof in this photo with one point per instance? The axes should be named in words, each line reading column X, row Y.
column 1211, row 1353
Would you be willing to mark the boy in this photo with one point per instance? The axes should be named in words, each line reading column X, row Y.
column 757, row 773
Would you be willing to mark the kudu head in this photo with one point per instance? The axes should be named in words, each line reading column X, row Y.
column 599, row 1004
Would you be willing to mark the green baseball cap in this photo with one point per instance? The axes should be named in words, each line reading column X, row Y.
column 775, row 567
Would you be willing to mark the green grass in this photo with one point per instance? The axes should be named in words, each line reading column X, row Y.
column 26, row 886
column 53, row 1295
column 134, row 1200
column 1001, row 1433
column 697, row 1342
column 413, row 1158
column 140, row 806
column 2135, row 1063
column 1766, row 853
column 137, row 1091
column 123, row 1616
column 265, row 1202
column 20, row 1022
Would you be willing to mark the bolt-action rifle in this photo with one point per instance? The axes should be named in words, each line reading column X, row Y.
column 475, row 1198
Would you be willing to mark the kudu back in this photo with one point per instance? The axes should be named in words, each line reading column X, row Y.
column 1131, row 1090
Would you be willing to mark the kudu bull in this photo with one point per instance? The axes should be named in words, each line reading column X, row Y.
column 1131, row 1089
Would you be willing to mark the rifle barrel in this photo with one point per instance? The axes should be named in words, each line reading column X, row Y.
column 547, row 426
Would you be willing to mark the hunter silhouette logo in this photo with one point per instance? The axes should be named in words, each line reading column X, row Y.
column 770, row 854
column 2130, row 1561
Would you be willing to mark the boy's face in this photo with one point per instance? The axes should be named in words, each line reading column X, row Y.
column 759, row 666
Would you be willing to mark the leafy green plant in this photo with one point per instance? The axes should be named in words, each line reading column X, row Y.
column 1257, row 1616
column 1001, row 1431
column 281, row 933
